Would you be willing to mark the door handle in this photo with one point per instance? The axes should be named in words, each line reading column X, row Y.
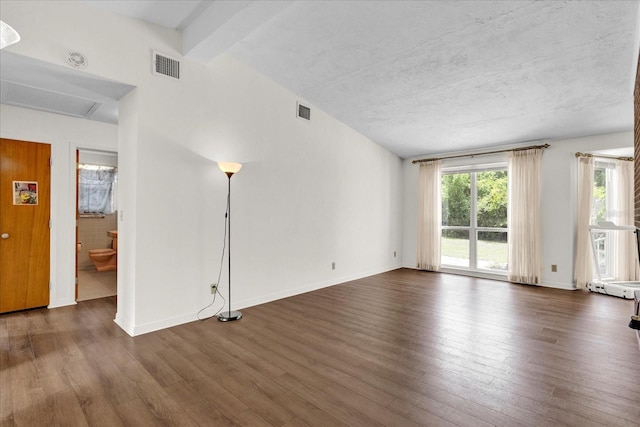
column 5, row 235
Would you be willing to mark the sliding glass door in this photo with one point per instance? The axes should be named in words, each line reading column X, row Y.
column 474, row 219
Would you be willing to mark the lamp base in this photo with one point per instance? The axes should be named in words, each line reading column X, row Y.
column 228, row 316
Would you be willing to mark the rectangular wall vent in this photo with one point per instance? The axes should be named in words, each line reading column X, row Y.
column 25, row 96
column 304, row 112
column 166, row 66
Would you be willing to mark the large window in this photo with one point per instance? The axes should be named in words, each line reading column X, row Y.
column 474, row 219
column 603, row 209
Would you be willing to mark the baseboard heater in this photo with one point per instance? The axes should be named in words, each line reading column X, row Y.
column 617, row 289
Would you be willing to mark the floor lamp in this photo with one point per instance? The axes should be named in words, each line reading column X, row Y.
column 229, row 169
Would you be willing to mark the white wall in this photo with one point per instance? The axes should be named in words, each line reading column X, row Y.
column 559, row 199
column 310, row 193
column 65, row 134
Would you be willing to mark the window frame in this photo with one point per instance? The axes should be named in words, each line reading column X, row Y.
column 473, row 227
column 609, row 242
column 112, row 202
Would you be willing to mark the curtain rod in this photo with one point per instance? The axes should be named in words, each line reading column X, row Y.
column 530, row 147
column 628, row 159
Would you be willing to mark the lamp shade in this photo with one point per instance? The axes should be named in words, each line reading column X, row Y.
column 229, row 167
column 8, row 35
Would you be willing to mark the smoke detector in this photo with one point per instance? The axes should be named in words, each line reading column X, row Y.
column 77, row 60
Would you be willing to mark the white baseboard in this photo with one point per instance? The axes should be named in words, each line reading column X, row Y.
column 482, row 275
column 558, row 285
column 62, row 303
column 162, row 324
column 126, row 326
column 135, row 330
column 312, row 287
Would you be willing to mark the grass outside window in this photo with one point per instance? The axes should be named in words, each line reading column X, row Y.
column 491, row 255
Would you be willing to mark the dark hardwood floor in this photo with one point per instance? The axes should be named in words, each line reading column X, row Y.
column 397, row 349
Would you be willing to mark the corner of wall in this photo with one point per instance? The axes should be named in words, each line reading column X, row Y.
column 125, row 324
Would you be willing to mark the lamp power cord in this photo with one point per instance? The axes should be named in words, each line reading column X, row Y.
column 224, row 250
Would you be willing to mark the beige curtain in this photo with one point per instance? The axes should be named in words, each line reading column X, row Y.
column 626, row 261
column 429, row 215
column 584, row 252
column 525, row 255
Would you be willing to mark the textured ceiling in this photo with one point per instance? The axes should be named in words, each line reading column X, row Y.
column 425, row 77
column 422, row 77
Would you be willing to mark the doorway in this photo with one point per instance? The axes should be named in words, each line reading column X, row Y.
column 96, row 224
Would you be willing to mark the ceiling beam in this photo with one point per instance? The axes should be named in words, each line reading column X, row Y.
column 224, row 23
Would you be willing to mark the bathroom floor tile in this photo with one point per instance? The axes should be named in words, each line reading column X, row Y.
column 94, row 284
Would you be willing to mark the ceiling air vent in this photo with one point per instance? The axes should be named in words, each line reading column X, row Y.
column 166, row 66
column 77, row 60
column 304, row 112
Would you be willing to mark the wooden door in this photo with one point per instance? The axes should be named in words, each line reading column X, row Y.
column 25, row 177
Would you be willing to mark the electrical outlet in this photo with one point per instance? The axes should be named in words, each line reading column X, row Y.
column 214, row 288
column 554, row 268
column 333, row 265
column 394, row 254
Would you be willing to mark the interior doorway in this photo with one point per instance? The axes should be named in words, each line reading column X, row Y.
column 96, row 224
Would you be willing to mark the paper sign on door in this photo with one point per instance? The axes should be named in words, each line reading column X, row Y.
column 25, row 193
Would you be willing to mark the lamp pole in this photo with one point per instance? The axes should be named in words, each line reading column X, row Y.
column 229, row 169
